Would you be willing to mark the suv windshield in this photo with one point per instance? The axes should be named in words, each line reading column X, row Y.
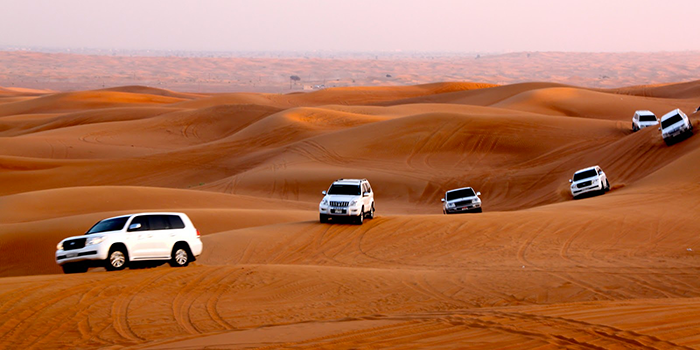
column 670, row 121
column 109, row 225
column 467, row 192
column 647, row 118
column 352, row 190
column 585, row 174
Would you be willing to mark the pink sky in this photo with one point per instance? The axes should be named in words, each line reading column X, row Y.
column 358, row 25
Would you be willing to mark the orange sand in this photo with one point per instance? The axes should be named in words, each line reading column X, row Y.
column 535, row 270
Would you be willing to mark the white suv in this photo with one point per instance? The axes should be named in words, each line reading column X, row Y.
column 589, row 180
column 675, row 124
column 643, row 119
column 115, row 242
column 351, row 198
column 461, row 200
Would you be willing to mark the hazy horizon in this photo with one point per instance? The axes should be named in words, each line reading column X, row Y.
column 447, row 26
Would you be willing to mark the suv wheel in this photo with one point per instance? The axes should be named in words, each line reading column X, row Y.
column 323, row 218
column 116, row 259
column 74, row 268
column 607, row 185
column 360, row 218
column 180, row 256
column 371, row 213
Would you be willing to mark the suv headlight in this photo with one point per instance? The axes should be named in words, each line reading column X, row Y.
column 352, row 203
column 95, row 240
column 59, row 246
column 450, row 204
column 324, row 202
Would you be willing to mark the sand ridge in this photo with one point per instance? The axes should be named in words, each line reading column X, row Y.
column 535, row 270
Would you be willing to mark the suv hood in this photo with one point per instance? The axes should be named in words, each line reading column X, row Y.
column 85, row 235
column 592, row 178
column 341, row 197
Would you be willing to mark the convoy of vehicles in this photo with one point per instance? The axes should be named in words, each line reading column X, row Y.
column 116, row 242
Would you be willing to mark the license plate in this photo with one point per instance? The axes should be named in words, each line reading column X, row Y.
column 71, row 255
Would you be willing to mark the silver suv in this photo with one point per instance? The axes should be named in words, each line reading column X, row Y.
column 349, row 198
column 115, row 242
column 591, row 179
column 461, row 200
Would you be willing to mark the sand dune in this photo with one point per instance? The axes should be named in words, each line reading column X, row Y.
column 535, row 270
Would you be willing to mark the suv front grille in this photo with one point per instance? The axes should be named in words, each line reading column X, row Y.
column 74, row 244
column 339, row 204
column 463, row 203
column 584, row 184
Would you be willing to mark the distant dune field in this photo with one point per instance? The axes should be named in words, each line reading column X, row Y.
column 273, row 73
column 535, row 270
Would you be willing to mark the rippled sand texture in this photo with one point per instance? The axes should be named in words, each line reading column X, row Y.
column 535, row 270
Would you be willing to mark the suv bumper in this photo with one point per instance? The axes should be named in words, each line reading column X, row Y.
column 345, row 211
column 463, row 209
column 92, row 252
column 675, row 133
column 594, row 187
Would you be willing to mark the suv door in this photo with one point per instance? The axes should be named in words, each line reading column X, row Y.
column 367, row 201
column 161, row 235
column 140, row 238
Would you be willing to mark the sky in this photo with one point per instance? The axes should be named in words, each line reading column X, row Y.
column 354, row 25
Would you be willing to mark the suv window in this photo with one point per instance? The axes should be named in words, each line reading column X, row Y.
column 108, row 225
column 352, row 190
column 670, row 121
column 647, row 118
column 143, row 220
column 467, row 192
column 175, row 222
column 369, row 188
column 158, row 222
column 585, row 174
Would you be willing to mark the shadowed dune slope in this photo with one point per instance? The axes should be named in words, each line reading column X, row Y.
column 535, row 270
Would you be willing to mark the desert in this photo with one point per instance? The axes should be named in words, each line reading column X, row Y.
column 536, row 269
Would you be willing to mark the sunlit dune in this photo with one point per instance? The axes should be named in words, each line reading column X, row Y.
column 536, row 269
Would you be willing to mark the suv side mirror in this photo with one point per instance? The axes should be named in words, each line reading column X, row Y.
column 570, row 181
column 442, row 199
column 134, row 227
column 323, row 193
column 478, row 193
column 366, row 194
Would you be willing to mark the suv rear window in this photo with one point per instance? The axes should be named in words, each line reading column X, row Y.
column 175, row 222
column 352, row 190
column 585, row 174
column 670, row 121
column 108, row 225
column 467, row 192
column 647, row 118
